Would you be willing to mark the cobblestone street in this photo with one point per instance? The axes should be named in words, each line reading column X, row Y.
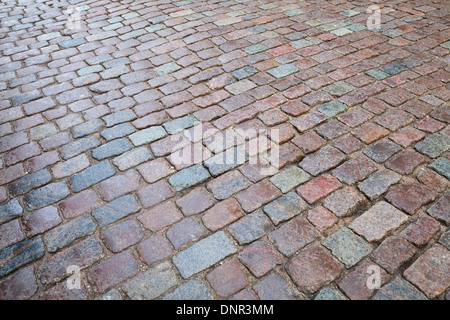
column 99, row 100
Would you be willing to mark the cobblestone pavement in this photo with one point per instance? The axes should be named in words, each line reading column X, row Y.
column 89, row 185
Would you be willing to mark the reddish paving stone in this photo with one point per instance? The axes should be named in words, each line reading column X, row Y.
column 441, row 209
column 420, row 232
column 433, row 180
column 62, row 292
column 348, row 144
column 79, row 204
column 160, row 216
column 228, row 278
column 260, row 258
column 122, row 235
column 410, row 196
column 322, row 218
column 155, row 193
column 431, row 271
column 227, row 184
column 318, row 188
column 20, row 286
column 222, row 214
column 355, row 170
column 275, row 287
column 370, row 132
column 345, row 202
column 309, row 142
column 293, row 235
column 429, row 125
column 184, row 232
column 10, row 233
column 154, row 170
column 393, row 253
column 118, row 185
column 354, row 284
column 355, row 117
column 257, row 195
column 196, row 201
column 394, row 119
column 308, row 121
column 322, row 160
column 41, row 220
column 405, row 162
column 245, row 294
column 313, row 268
column 154, row 249
column 407, row 136
column 112, row 271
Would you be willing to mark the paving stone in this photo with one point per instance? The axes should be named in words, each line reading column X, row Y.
column 378, row 183
column 355, row 283
column 260, row 258
column 381, row 151
column 30, row 181
column 122, row 235
column 195, row 289
column 392, row 253
column 405, row 162
column 112, row 294
column 203, row 254
column 40, row 221
column 339, row 88
column 399, row 289
column 132, row 158
column 148, row 135
column 420, row 232
column 184, row 232
column 155, row 193
column 227, row 278
column 285, row 207
column 113, row 148
column 71, row 166
column 257, row 195
column 318, row 263
column 10, row 210
column 410, row 196
column 322, row 160
column 440, row 210
column 154, row 249
column 378, row 221
column 195, row 201
column 46, row 195
column 118, row 185
column 289, row 178
column 250, row 227
column 10, row 233
column 293, row 235
column 79, row 204
column 91, row 176
column 20, row 254
column 179, row 124
column 116, row 210
column 283, row 70
column 433, row 145
column 318, row 188
column 160, row 216
column 83, row 255
column 348, row 247
column 222, row 214
column 112, row 271
column 354, row 170
column 330, row 294
column 275, row 287
column 332, row 108
column 188, row 177
column 19, row 286
column 442, row 166
column 227, row 184
column 430, row 272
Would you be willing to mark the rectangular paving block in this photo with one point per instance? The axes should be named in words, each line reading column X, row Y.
column 10, row 210
column 92, row 175
column 189, row 177
column 116, row 210
column 204, row 254
column 19, row 254
column 46, row 195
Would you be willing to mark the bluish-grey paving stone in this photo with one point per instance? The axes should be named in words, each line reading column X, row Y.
column 244, row 72
column 87, row 128
column 399, row 289
column 30, row 181
column 378, row 183
column 116, row 210
column 433, row 145
column 195, row 289
column 332, row 108
column 339, row 88
column 112, row 294
column 67, row 233
column 377, row 74
column 113, row 148
column 442, row 166
column 119, row 117
column 285, row 207
column 189, row 177
column 393, row 68
column 251, row 227
column 72, row 43
column 283, row 70
column 180, row 124
column 381, row 151
column 118, row 131
column 132, row 158
column 147, row 135
column 226, row 161
column 91, row 175
column 348, row 247
column 203, row 254
column 25, row 97
column 74, row 148
column 330, row 294
column 19, row 254
column 46, row 195
column 151, row 283
column 290, row 178
column 10, row 210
